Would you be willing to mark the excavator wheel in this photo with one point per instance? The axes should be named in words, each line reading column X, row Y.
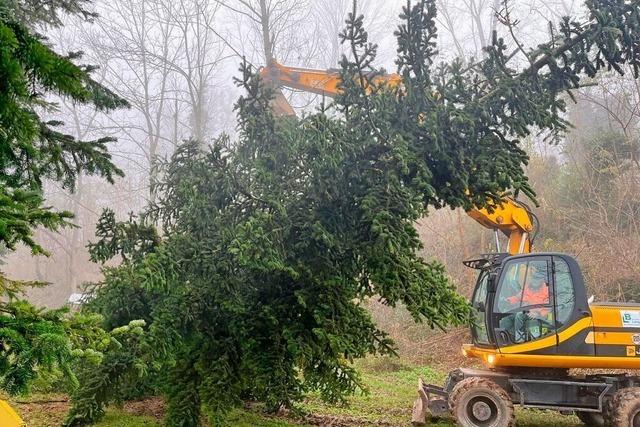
column 626, row 408
column 479, row 402
column 591, row 419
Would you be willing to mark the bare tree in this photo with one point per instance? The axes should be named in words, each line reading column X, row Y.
column 330, row 16
column 469, row 24
column 127, row 43
column 619, row 99
column 161, row 55
column 202, row 53
column 280, row 29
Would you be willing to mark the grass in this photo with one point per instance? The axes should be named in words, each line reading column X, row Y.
column 244, row 418
column 118, row 418
column 391, row 392
column 49, row 410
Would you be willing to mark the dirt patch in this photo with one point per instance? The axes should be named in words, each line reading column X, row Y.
column 42, row 413
column 153, row 407
column 46, row 413
column 336, row 421
column 325, row 420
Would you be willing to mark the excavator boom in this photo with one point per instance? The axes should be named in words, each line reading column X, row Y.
column 321, row 82
column 314, row 81
column 511, row 217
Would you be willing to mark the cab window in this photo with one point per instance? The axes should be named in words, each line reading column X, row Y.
column 523, row 307
column 565, row 295
column 479, row 324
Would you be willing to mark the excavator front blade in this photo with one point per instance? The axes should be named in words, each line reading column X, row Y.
column 432, row 399
column 420, row 406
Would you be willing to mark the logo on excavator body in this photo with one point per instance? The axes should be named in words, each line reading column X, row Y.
column 630, row 319
column 636, row 339
column 631, row 350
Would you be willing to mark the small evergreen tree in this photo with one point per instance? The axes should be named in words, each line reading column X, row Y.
column 121, row 299
column 33, row 149
column 106, row 374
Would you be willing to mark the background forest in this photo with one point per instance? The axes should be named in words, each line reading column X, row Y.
column 165, row 77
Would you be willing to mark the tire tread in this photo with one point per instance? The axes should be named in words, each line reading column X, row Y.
column 478, row 382
column 621, row 404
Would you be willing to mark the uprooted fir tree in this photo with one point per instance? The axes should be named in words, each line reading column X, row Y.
column 273, row 242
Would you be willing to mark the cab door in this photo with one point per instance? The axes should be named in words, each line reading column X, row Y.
column 573, row 319
column 479, row 330
column 523, row 308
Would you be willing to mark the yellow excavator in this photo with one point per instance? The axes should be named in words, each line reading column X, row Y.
column 531, row 320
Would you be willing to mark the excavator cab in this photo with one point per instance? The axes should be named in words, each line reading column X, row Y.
column 527, row 299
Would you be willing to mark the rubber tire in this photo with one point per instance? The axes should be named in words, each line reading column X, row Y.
column 625, row 406
column 478, row 386
column 591, row 419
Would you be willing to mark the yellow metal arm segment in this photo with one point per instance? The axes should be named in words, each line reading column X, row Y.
column 513, row 219
column 9, row 417
column 314, row 81
column 321, row 82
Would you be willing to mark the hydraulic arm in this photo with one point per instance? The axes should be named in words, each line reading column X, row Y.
column 321, row 82
column 512, row 218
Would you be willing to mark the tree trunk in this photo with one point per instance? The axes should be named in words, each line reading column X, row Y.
column 267, row 43
column 76, row 239
column 176, row 123
column 153, row 169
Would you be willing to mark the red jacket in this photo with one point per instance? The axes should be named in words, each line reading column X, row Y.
column 532, row 297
